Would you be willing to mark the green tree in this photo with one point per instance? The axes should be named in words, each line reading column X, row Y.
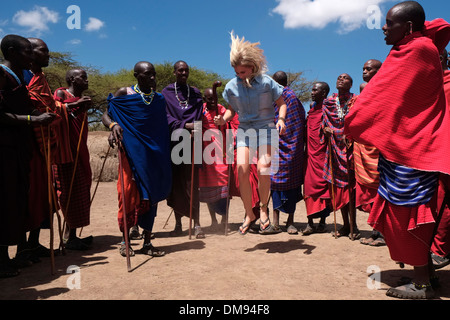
column 300, row 85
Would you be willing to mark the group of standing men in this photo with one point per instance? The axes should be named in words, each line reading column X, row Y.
column 381, row 152
column 44, row 156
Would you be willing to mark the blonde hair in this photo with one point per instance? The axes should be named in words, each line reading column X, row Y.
column 245, row 53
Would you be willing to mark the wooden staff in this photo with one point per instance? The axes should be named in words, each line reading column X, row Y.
column 124, row 208
column 50, row 200
column 216, row 101
column 75, row 164
column 76, row 161
column 167, row 221
column 52, row 233
column 100, row 174
column 191, row 204
column 351, row 207
column 333, row 197
column 98, row 181
column 53, row 193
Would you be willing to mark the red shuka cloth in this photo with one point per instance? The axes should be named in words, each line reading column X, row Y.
column 77, row 214
column 402, row 111
column 317, row 195
column 441, row 243
column 216, row 174
column 315, row 185
column 42, row 99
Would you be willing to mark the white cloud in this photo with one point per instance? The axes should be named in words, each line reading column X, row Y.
column 74, row 42
column 317, row 14
column 94, row 24
column 36, row 20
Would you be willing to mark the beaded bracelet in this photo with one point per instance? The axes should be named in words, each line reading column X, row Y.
column 111, row 126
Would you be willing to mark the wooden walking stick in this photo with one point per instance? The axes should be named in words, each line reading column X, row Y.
column 100, row 174
column 216, row 101
column 50, row 200
column 191, row 205
column 124, row 208
column 167, row 221
column 351, row 207
column 76, row 162
column 54, row 197
column 333, row 197
column 98, row 181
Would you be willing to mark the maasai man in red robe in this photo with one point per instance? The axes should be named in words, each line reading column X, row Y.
column 213, row 175
column 365, row 158
column 42, row 98
column 317, row 195
column 440, row 249
column 74, row 189
column 403, row 113
column 338, row 159
column 17, row 116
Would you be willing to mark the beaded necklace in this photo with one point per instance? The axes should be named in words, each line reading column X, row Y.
column 144, row 95
column 341, row 111
column 182, row 104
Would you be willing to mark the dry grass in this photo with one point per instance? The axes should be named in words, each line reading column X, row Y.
column 98, row 148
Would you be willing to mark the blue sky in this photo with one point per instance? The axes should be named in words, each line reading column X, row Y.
column 323, row 38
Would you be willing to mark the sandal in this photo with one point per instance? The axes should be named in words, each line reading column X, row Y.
column 342, row 232
column 7, row 270
column 379, row 242
column 76, row 244
column 439, row 262
column 134, row 233
column 292, row 230
column 412, row 291
column 150, row 250
column 177, row 232
column 41, row 251
column 322, row 228
column 356, row 234
column 267, row 230
column 243, row 229
column 123, row 251
column 199, row 234
column 308, row 230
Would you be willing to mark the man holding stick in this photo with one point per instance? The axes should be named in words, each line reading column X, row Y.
column 317, row 194
column 72, row 170
column 339, row 155
column 42, row 203
column 137, row 118
column 184, row 108
column 17, row 117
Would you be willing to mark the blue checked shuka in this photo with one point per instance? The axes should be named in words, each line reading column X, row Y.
column 291, row 147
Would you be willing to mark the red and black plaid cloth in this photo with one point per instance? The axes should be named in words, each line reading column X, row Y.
column 338, row 153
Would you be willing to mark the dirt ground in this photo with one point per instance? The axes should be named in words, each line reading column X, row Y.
column 219, row 267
